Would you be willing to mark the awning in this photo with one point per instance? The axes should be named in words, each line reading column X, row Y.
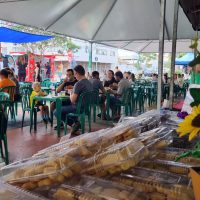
column 97, row 20
column 13, row 36
column 150, row 46
column 185, row 59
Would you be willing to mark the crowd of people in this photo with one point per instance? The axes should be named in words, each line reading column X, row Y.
column 22, row 70
column 77, row 82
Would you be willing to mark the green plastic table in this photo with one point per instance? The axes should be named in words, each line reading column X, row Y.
column 58, row 100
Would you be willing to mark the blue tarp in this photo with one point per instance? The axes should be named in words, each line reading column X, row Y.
column 13, row 36
column 185, row 59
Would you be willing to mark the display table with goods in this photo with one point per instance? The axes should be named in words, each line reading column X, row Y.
column 134, row 160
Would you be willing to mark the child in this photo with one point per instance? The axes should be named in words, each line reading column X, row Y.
column 44, row 109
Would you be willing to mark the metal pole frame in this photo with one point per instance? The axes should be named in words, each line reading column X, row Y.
column 173, row 57
column 90, row 57
column 161, row 51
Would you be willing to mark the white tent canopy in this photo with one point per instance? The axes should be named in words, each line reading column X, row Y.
column 150, row 46
column 100, row 20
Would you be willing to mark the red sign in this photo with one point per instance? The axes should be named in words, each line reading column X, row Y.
column 52, row 68
column 69, row 55
column 30, row 70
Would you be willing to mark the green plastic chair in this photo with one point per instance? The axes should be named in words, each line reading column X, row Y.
column 46, row 83
column 126, row 102
column 3, row 136
column 10, row 103
column 154, row 91
column 94, row 103
column 139, row 99
column 4, row 98
column 25, row 92
column 83, row 109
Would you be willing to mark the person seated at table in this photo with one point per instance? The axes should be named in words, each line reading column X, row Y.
column 44, row 109
column 98, row 86
column 180, row 81
column 96, row 83
column 68, row 82
column 111, row 82
column 131, row 77
column 126, row 75
column 4, row 79
column 83, row 85
column 123, row 85
column 176, row 79
column 154, row 77
column 12, row 77
column 166, row 79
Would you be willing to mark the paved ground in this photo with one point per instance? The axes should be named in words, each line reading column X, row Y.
column 22, row 144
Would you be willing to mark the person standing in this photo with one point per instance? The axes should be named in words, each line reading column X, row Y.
column 37, row 72
column 48, row 70
column 21, row 69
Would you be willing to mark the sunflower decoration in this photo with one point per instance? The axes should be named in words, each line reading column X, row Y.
column 191, row 124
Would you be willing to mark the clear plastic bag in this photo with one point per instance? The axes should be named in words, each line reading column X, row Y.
column 71, row 193
column 11, row 192
column 106, row 189
column 155, row 186
column 100, row 139
column 172, row 154
column 167, row 166
column 34, row 173
column 73, row 142
column 159, row 176
column 118, row 158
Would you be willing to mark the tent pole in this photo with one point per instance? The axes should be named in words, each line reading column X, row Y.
column 161, row 51
column 173, row 57
column 90, row 58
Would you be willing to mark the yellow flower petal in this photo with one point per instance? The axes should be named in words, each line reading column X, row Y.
column 194, row 133
column 187, row 129
column 195, row 110
column 183, row 134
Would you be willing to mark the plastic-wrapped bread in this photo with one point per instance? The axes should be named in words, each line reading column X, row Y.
column 100, row 139
column 64, row 192
column 47, row 171
column 173, row 153
column 105, row 138
column 105, row 189
column 155, row 189
column 118, row 158
column 8, row 192
column 168, row 166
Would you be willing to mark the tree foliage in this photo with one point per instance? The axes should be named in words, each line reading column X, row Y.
column 62, row 43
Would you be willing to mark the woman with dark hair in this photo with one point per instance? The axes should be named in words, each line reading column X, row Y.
column 37, row 72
